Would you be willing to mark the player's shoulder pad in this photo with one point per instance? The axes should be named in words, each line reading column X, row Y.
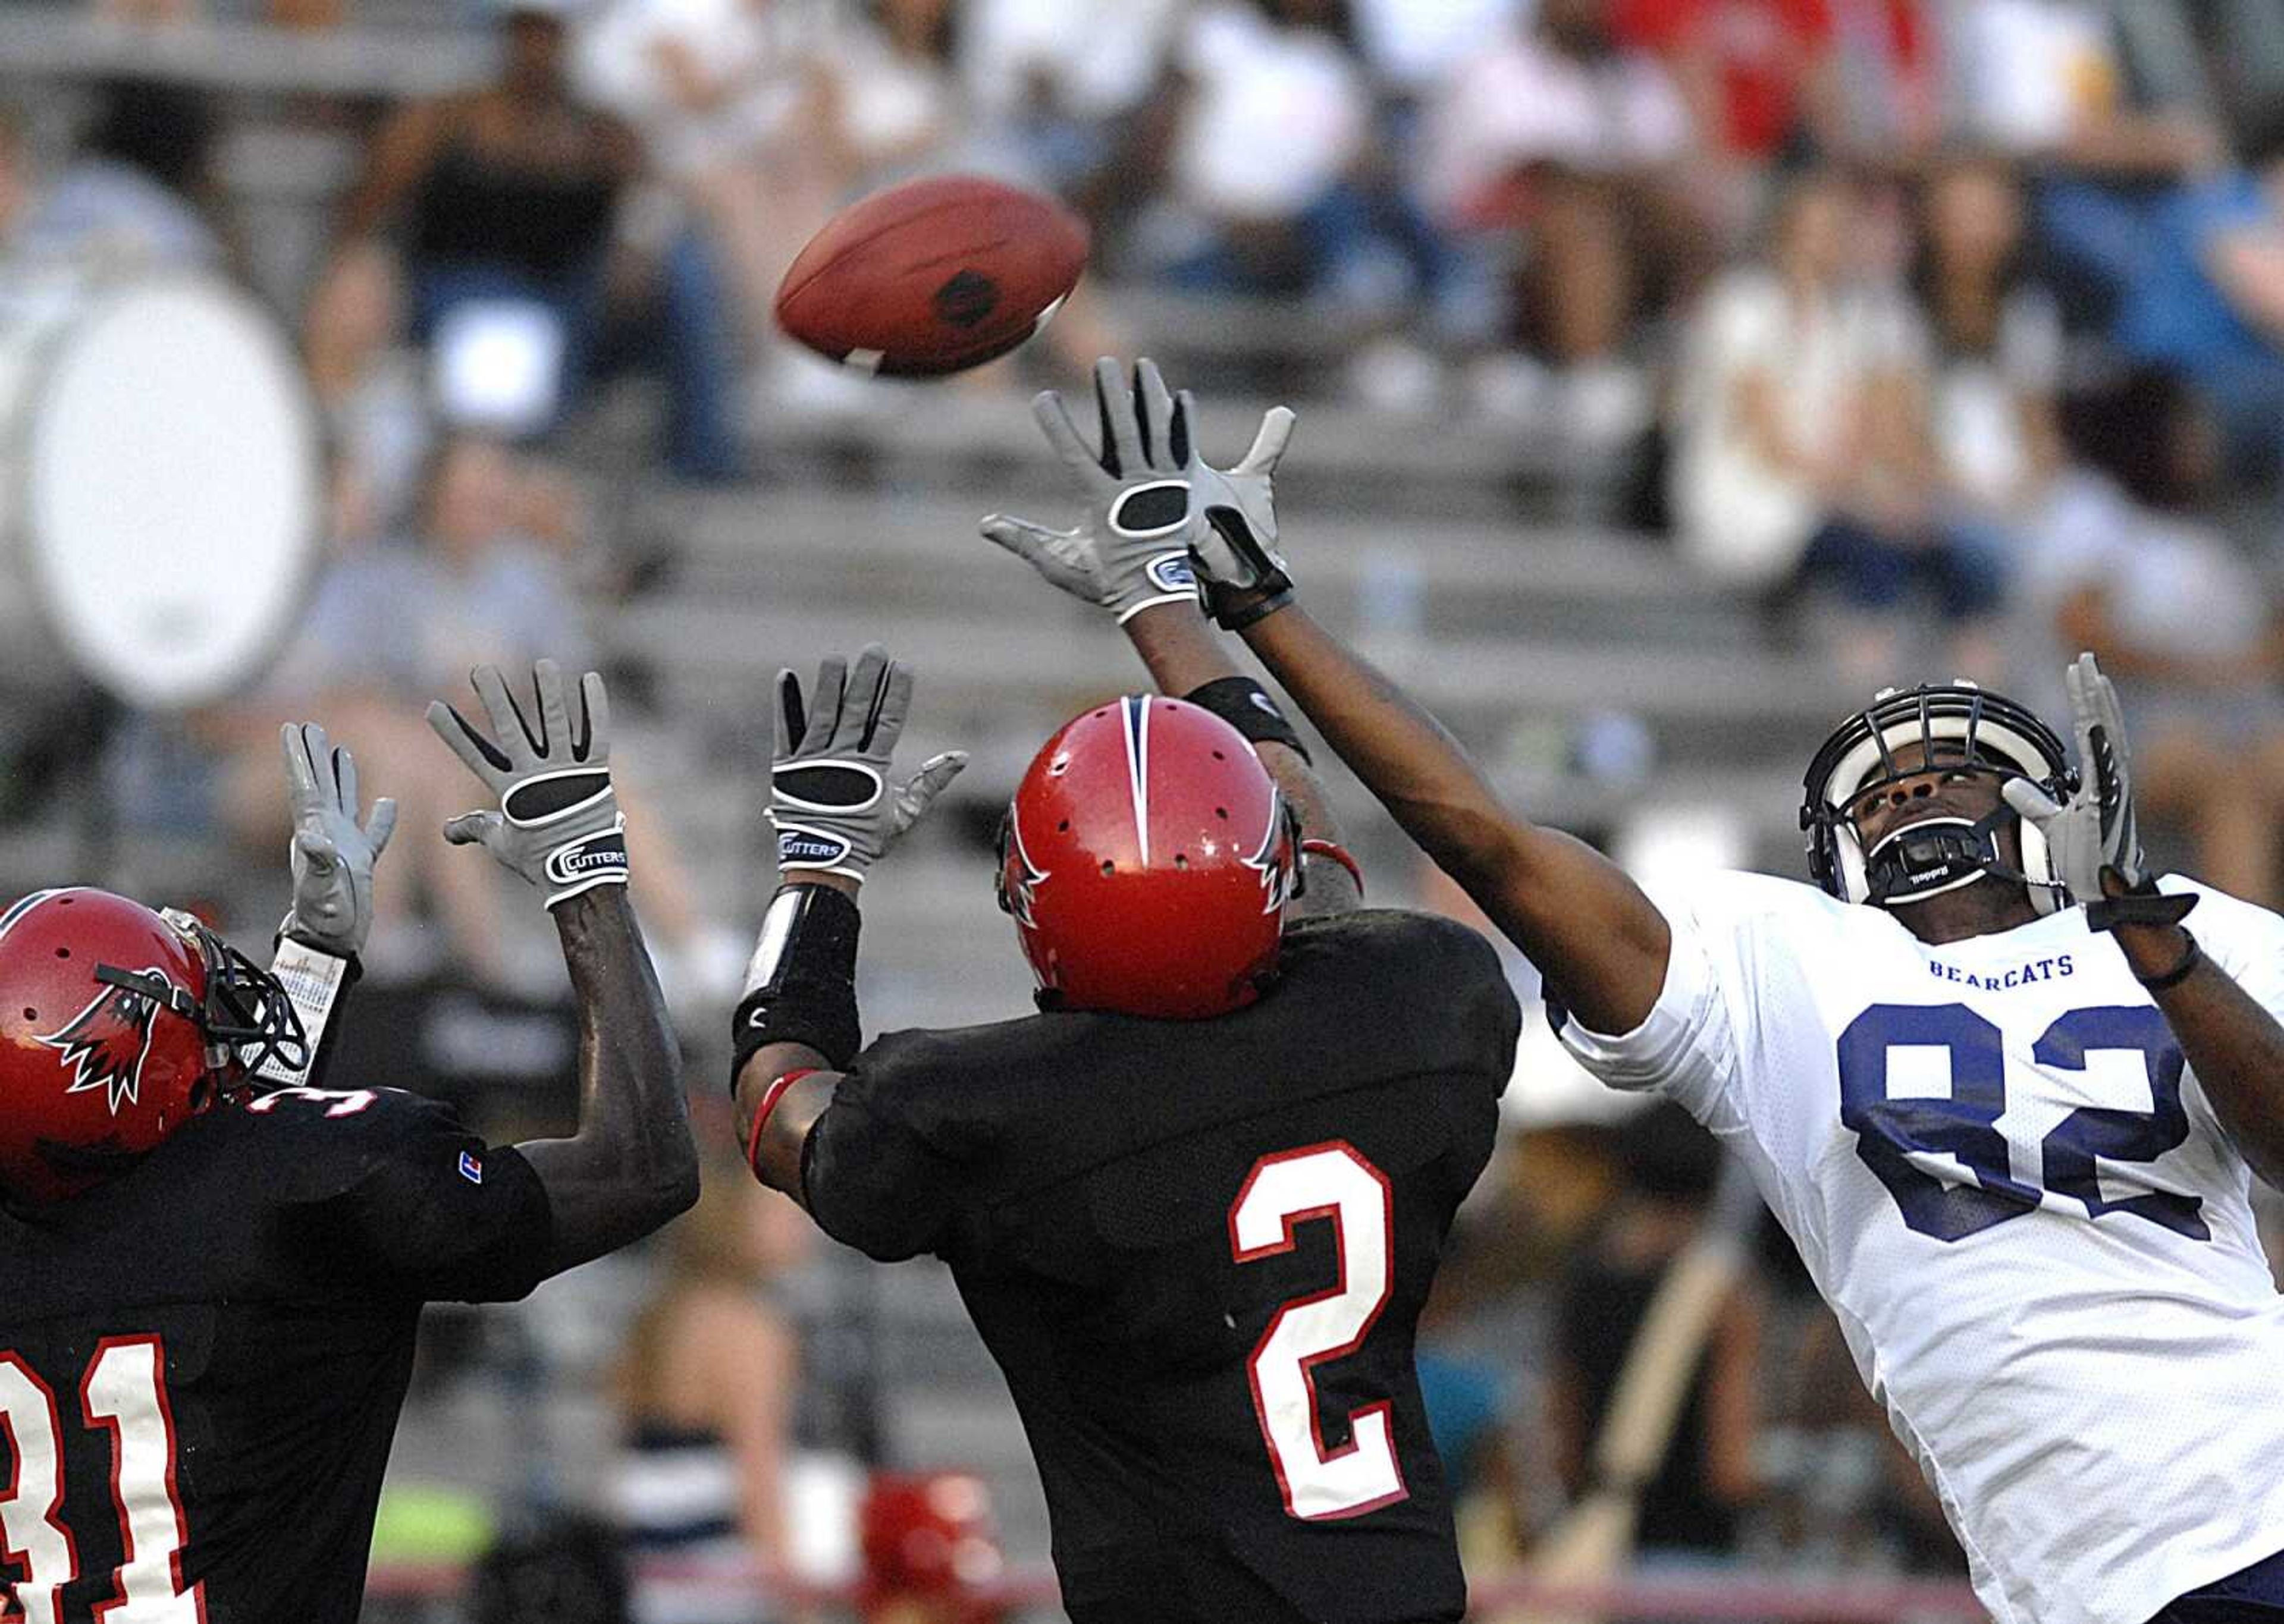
column 2222, row 919
column 1399, row 968
column 313, row 1144
column 1739, row 901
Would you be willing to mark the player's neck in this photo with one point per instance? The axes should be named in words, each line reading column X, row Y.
column 1983, row 909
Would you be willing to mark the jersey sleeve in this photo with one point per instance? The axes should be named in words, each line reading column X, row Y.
column 1687, row 1046
column 400, row 1194
column 2242, row 937
column 872, row 1173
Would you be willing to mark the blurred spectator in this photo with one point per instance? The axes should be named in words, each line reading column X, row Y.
column 896, row 93
column 705, row 1390
column 138, row 193
column 1556, row 130
column 1844, row 79
column 368, row 384
column 2045, row 82
column 1066, row 84
column 1272, row 125
column 1689, row 1509
column 1802, row 455
column 15, row 177
column 733, row 102
column 395, row 623
column 509, row 195
column 2210, row 298
column 1998, row 342
column 2135, row 571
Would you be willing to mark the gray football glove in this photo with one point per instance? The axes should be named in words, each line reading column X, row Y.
column 1241, row 576
column 559, row 824
column 830, row 802
column 331, row 855
column 2094, row 836
column 1133, row 550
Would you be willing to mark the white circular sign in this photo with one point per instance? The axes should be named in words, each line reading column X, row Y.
column 169, row 489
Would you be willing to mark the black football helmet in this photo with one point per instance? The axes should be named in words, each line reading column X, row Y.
column 1987, row 732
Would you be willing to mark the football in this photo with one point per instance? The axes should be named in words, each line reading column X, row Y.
column 935, row 276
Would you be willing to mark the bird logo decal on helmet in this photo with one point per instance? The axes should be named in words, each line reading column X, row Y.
column 1020, row 891
column 105, row 1044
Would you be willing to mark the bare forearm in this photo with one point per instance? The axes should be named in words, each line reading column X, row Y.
column 1404, row 755
column 2234, row 1044
column 1600, row 943
column 632, row 1165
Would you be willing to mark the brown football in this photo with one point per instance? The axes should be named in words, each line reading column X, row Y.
column 934, row 276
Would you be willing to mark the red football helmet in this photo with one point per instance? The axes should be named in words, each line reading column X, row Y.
column 117, row 1025
column 930, row 1555
column 1148, row 860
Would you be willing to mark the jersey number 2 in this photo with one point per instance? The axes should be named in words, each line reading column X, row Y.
column 125, row 1392
column 1329, row 1181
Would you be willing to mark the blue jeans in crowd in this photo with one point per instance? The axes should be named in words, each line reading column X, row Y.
column 682, row 330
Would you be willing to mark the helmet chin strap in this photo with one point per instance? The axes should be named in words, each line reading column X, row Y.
column 1938, row 855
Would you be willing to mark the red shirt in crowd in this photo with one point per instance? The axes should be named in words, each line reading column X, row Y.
column 1760, row 52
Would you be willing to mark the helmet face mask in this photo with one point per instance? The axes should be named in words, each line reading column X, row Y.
column 1949, row 729
column 1147, row 861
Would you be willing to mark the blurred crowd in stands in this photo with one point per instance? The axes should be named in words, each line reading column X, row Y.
column 1951, row 331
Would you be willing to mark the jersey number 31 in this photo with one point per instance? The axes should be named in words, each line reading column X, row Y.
column 125, row 1392
column 1329, row 1181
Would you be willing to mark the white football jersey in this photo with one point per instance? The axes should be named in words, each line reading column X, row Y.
column 2037, row 1238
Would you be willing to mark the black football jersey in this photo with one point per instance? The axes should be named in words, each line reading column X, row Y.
column 202, row 1361
column 1198, row 1249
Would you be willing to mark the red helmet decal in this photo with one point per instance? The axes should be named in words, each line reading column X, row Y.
column 1024, row 877
column 88, row 1060
column 1272, row 860
column 107, row 1043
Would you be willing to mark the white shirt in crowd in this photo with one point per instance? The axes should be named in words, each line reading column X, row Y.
column 1276, row 117
column 1518, row 102
column 2036, row 1235
column 1742, row 518
column 2026, row 72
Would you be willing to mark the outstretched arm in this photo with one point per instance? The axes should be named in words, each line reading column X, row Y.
column 2093, row 840
column 1599, row 943
column 632, row 1164
column 836, row 815
column 1129, row 555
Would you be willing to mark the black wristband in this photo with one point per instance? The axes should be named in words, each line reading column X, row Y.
column 803, row 987
column 2144, row 904
column 2179, row 972
column 1244, row 612
column 1246, row 705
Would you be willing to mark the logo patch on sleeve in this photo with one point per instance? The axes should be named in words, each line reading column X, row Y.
column 471, row 1170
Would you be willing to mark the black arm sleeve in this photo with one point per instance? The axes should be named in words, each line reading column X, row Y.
column 429, row 1211
column 873, row 1183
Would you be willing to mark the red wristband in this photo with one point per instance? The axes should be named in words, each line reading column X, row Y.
column 1339, row 854
column 769, row 1097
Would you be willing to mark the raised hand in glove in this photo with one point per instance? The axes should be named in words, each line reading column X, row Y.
column 2093, row 839
column 1133, row 550
column 1241, row 576
column 559, row 823
column 332, row 855
column 830, row 800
